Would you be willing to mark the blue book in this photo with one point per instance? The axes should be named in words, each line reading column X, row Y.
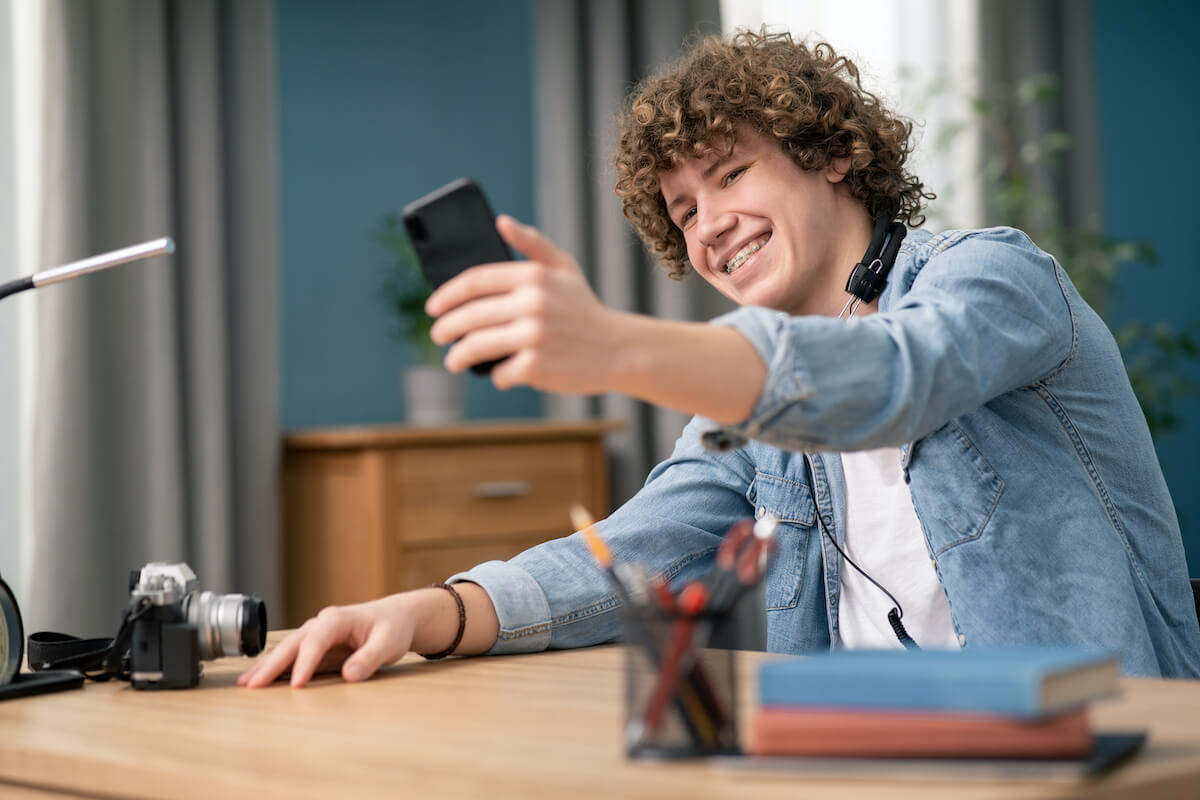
column 1026, row 682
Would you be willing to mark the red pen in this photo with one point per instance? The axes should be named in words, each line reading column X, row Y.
column 691, row 604
column 741, row 561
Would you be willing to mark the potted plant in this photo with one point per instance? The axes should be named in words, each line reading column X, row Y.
column 432, row 396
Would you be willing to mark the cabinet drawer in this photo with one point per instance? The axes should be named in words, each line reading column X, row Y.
column 425, row 565
column 482, row 493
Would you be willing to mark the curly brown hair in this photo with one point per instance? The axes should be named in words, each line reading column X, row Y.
column 810, row 99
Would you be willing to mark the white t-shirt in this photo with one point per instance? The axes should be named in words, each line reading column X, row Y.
column 884, row 537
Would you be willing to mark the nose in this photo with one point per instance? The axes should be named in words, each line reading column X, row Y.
column 712, row 223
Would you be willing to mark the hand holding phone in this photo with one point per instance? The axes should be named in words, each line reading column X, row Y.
column 538, row 316
column 452, row 229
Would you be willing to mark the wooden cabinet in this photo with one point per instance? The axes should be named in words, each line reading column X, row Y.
column 374, row 510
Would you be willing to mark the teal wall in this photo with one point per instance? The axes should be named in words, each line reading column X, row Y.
column 1146, row 67
column 380, row 102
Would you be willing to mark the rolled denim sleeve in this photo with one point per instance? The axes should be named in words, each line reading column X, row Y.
column 555, row 596
column 982, row 317
column 520, row 604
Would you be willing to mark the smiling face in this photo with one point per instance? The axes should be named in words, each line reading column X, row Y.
column 765, row 232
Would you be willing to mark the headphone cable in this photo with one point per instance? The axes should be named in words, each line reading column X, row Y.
column 897, row 613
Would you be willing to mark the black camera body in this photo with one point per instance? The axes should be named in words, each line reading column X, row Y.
column 176, row 626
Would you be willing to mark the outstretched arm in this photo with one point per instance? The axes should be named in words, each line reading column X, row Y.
column 359, row 639
column 559, row 337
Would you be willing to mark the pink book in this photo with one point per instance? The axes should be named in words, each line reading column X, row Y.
column 779, row 731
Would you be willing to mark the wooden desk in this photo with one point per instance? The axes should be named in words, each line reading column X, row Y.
column 373, row 510
column 543, row 725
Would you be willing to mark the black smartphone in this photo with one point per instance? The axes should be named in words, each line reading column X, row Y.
column 451, row 229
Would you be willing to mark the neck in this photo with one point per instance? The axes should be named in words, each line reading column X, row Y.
column 831, row 297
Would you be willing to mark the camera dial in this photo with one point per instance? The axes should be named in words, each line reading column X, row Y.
column 163, row 584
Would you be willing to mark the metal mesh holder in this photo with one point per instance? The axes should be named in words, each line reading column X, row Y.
column 680, row 694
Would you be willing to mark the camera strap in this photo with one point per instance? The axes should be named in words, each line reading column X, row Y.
column 49, row 650
column 99, row 659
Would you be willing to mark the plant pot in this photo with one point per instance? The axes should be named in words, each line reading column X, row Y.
column 432, row 396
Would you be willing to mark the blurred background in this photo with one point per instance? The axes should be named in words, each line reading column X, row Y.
column 142, row 410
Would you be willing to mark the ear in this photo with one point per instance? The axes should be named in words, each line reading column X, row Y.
column 837, row 170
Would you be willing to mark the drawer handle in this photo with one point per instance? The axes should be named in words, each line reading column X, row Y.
column 489, row 489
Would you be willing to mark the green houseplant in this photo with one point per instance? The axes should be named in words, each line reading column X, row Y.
column 432, row 395
column 404, row 291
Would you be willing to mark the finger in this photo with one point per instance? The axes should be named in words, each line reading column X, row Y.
column 309, row 660
column 508, row 372
column 332, row 628
column 476, row 282
column 487, row 344
column 532, row 243
column 382, row 647
column 333, row 659
column 273, row 662
column 483, row 313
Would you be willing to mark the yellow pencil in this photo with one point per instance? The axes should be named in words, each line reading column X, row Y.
column 584, row 522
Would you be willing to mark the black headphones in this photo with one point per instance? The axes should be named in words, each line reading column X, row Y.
column 869, row 276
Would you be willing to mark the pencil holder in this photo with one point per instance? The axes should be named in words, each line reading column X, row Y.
column 680, row 668
column 680, row 693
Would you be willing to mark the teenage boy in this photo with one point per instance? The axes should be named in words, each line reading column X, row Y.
column 962, row 447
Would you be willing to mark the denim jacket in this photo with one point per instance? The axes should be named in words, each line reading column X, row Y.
column 1032, row 471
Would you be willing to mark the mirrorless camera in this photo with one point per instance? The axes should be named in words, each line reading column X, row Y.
column 175, row 626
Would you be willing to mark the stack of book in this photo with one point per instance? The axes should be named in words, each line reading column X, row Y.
column 1017, row 703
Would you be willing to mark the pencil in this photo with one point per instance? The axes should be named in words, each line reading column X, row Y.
column 583, row 522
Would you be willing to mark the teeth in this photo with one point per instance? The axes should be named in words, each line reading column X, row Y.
column 744, row 254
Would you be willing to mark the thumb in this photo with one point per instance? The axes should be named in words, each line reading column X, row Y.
column 532, row 243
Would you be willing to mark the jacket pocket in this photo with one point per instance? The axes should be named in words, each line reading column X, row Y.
column 955, row 490
column 791, row 502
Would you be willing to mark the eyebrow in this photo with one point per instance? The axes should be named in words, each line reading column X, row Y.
column 706, row 174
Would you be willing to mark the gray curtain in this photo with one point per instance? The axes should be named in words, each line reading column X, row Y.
column 1022, row 39
column 156, row 433
column 588, row 54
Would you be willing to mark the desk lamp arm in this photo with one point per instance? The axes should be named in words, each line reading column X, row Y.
column 112, row 258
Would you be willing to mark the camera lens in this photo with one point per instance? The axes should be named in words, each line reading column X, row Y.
column 227, row 624
column 254, row 625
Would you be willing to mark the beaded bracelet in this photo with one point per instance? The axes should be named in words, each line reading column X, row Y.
column 462, row 622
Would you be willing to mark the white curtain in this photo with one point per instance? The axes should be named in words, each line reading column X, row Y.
column 9, row 368
column 932, row 57
column 20, row 151
column 922, row 57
